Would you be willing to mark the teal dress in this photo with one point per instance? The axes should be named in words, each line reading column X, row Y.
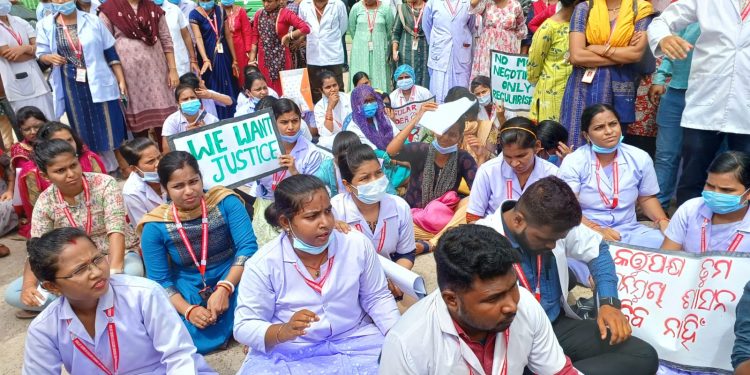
column 231, row 242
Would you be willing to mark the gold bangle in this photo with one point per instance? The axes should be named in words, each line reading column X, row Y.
column 278, row 341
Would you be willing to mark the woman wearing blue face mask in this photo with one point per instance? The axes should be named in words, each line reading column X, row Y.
column 406, row 90
column 191, row 114
column 719, row 220
column 481, row 86
column 142, row 191
column 369, row 120
column 611, row 178
column 383, row 218
column 313, row 300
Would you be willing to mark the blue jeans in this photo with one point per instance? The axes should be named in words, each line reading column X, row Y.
column 668, row 143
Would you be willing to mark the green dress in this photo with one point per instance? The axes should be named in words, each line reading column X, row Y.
column 403, row 34
column 374, row 62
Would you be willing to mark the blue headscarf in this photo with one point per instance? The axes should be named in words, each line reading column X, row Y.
column 406, row 68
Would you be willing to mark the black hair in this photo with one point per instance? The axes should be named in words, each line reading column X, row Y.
column 550, row 202
column 250, row 69
column 736, row 162
column 550, row 133
column 173, row 161
column 385, row 98
column 131, row 150
column 591, row 111
column 25, row 113
column 568, row 3
column 518, row 131
column 191, row 80
column 180, row 88
column 458, row 92
column 44, row 251
column 358, row 77
column 325, row 74
column 343, row 141
column 480, row 81
column 285, row 105
column 290, row 196
column 251, row 78
column 47, row 150
column 348, row 162
column 266, row 102
column 470, row 252
column 50, row 128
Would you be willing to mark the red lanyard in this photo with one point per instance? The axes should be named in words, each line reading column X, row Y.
column 417, row 19
column 214, row 25
column 319, row 12
column 77, row 48
column 451, row 8
column 114, row 345
column 509, row 188
column 204, row 238
column 732, row 246
column 277, row 177
column 745, row 11
column 87, row 198
column 317, row 286
column 371, row 22
column 504, row 369
column 525, row 282
column 16, row 36
column 382, row 235
column 616, row 185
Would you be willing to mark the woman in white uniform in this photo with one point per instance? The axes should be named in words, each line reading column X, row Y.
column 331, row 110
column 313, row 300
column 719, row 220
column 142, row 191
column 611, row 178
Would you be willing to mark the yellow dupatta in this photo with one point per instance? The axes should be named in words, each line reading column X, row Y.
column 598, row 27
column 163, row 213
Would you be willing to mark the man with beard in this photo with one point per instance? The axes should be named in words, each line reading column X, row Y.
column 544, row 227
column 479, row 321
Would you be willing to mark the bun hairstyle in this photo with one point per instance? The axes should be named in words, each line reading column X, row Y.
column 519, row 131
column 290, row 197
column 44, row 251
column 350, row 161
column 47, row 150
column 173, row 161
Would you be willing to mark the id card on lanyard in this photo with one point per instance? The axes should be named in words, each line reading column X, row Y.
column 525, row 281
column 206, row 292
column 77, row 48
column 371, row 26
column 588, row 75
column 417, row 20
column 745, row 12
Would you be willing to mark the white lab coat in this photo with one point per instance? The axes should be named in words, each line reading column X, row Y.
column 139, row 198
column 718, row 96
column 581, row 244
column 324, row 45
column 425, row 341
column 176, row 21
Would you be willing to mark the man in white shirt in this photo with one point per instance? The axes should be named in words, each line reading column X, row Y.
column 328, row 23
column 479, row 321
column 716, row 101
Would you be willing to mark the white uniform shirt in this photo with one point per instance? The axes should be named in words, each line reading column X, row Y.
column 246, row 106
column 307, row 160
column 176, row 21
column 687, row 225
column 395, row 227
column 177, row 123
column 17, row 87
column 418, row 94
column 718, row 95
column 340, row 112
column 324, row 45
column 425, row 341
column 151, row 336
column 139, row 198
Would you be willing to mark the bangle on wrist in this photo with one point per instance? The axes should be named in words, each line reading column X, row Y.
column 227, row 284
column 606, row 49
column 188, row 311
column 278, row 341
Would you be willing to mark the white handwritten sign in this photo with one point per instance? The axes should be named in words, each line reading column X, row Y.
column 682, row 303
column 233, row 151
column 510, row 83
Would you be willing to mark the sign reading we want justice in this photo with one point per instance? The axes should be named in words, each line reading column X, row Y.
column 235, row 151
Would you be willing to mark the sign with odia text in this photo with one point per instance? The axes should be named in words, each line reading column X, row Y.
column 234, row 151
column 510, row 83
column 405, row 113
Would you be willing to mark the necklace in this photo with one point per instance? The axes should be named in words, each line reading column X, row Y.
column 316, row 270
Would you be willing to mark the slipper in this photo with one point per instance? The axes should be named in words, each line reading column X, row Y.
column 4, row 251
column 425, row 247
column 26, row 314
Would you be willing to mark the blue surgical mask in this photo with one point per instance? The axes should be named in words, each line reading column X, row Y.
column 66, row 8
column 290, row 138
column 159, row 2
column 602, row 150
column 48, row 7
column 207, row 5
column 5, row 8
column 484, row 100
column 370, row 109
column 721, row 203
column 227, row 3
column 314, row 250
column 554, row 159
column 149, row 177
column 444, row 150
column 191, row 107
column 405, row 83
column 373, row 191
column 175, row 2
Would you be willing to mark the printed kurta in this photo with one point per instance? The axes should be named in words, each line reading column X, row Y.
column 502, row 30
column 404, row 35
column 549, row 69
column 375, row 62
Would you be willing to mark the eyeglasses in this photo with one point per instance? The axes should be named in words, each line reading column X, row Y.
column 97, row 261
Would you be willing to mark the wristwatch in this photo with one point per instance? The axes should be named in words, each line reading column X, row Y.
column 610, row 301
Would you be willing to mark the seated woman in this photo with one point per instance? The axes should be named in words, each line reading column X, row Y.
column 719, row 220
column 209, row 98
column 553, row 137
column 437, row 168
column 89, row 160
column 81, row 200
column 332, row 109
column 369, row 120
column 329, row 171
column 406, row 91
column 313, row 300
column 196, row 247
column 255, row 89
column 384, row 219
column 298, row 156
column 142, row 191
column 70, row 265
column 28, row 122
column 359, row 79
column 191, row 114
column 481, row 86
column 507, row 176
column 610, row 178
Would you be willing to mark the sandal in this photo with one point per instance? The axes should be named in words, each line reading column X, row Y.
column 26, row 314
column 4, row 251
column 425, row 247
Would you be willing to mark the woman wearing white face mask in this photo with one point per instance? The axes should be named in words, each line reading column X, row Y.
column 142, row 191
column 406, row 91
column 383, row 218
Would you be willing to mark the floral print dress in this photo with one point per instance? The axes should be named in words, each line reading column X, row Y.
column 549, row 69
column 502, row 30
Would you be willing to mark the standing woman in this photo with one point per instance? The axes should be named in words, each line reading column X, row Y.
column 271, row 38
column 87, row 75
column 448, row 28
column 196, row 247
column 409, row 42
column 549, row 67
column 218, row 59
column 604, row 69
column 370, row 25
column 23, row 82
column 239, row 25
column 145, row 48
column 503, row 27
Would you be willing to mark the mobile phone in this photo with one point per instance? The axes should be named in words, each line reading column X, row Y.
column 124, row 100
column 201, row 117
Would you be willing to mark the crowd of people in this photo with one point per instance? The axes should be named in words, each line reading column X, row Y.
column 518, row 208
